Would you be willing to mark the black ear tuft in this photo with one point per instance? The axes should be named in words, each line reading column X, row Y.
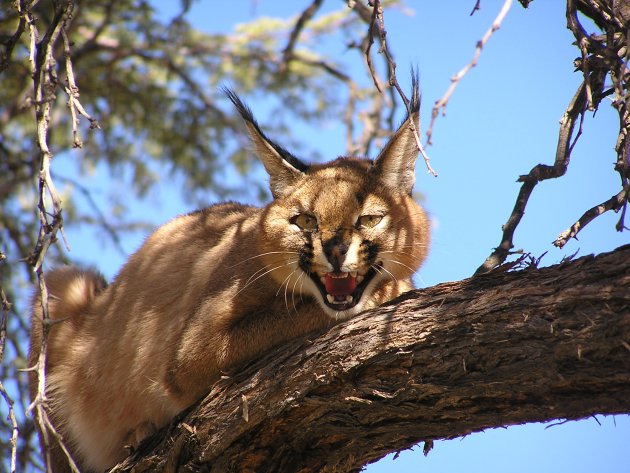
column 241, row 106
column 248, row 116
column 396, row 163
column 285, row 170
column 415, row 91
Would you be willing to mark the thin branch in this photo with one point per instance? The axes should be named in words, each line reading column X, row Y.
column 599, row 58
column 101, row 218
column 14, row 427
column 305, row 17
column 45, row 83
column 583, row 42
column 476, row 8
column 370, row 41
column 378, row 23
column 9, row 44
column 6, row 308
column 538, row 173
column 72, row 90
column 615, row 203
column 440, row 105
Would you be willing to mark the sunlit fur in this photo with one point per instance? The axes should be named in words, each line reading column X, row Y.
column 338, row 194
column 216, row 288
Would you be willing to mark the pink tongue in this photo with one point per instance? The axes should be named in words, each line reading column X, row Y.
column 340, row 286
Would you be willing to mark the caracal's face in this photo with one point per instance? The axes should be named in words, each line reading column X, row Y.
column 338, row 235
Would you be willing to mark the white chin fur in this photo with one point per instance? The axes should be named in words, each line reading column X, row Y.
column 340, row 314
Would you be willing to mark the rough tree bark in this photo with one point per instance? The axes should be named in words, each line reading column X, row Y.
column 498, row 349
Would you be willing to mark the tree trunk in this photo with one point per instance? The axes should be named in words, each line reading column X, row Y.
column 495, row 350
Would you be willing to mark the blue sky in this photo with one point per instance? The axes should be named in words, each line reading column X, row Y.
column 501, row 121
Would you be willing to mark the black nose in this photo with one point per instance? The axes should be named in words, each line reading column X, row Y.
column 335, row 250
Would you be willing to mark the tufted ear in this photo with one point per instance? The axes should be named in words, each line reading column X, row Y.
column 396, row 163
column 283, row 168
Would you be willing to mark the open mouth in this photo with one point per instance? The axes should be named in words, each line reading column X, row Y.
column 342, row 291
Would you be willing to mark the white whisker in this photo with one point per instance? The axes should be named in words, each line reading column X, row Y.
column 260, row 270
column 264, row 254
column 376, row 268
column 387, row 271
column 249, row 283
column 402, row 264
column 302, row 288
column 286, row 280
column 293, row 291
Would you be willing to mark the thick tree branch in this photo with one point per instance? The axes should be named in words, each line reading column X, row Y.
column 498, row 349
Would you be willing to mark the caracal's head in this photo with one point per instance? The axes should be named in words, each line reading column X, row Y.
column 346, row 233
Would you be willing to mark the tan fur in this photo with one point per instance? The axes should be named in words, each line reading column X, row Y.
column 213, row 289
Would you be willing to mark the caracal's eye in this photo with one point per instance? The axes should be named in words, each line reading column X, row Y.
column 369, row 221
column 305, row 221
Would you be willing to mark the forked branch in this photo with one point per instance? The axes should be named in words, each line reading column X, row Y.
column 45, row 85
column 377, row 26
column 540, row 172
column 601, row 57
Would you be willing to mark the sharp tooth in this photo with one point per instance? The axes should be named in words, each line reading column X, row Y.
column 330, row 298
column 359, row 279
column 349, row 299
column 323, row 280
column 353, row 274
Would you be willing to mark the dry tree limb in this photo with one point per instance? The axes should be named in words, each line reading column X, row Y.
column 289, row 54
column 377, row 23
column 9, row 44
column 583, row 42
column 6, row 308
column 501, row 349
column 615, row 203
column 45, row 84
column 72, row 90
column 96, row 210
column 15, row 431
column 600, row 56
column 540, row 172
column 443, row 102
column 371, row 119
column 305, row 17
column 476, row 8
column 376, row 7
column 619, row 74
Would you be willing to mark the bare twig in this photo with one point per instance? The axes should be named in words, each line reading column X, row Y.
column 538, row 173
column 614, row 203
column 476, row 8
column 305, row 17
column 370, row 41
column 6, row 308
column 14, row 427
column 9, row 44
column 45, row 82
column 102, row 219
column 600, row 56
column 72, row 90
column 440, row 105
column 377, row 23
